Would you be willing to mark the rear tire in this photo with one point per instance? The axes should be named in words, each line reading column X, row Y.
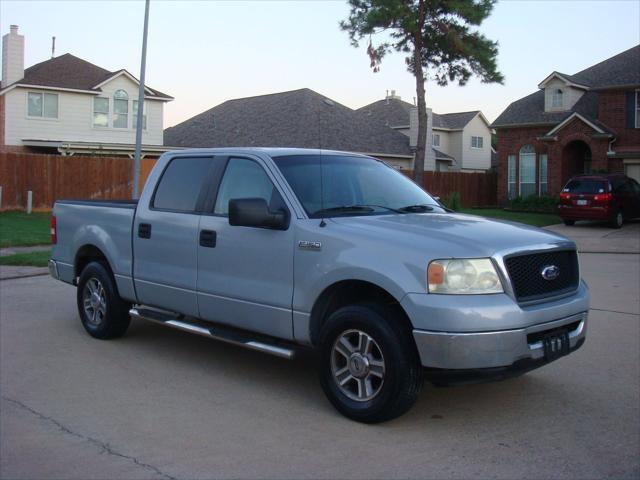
column 569, row 223
column 103, row 313
column 618, row 220
column 369, row 366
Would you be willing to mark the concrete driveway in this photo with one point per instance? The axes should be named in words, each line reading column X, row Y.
column 594, row 237
column 165, row 404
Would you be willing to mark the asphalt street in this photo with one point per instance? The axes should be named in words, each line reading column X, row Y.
column 164, row 404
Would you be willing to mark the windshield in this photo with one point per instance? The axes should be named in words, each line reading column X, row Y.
column 352, row 186
column 586, row 185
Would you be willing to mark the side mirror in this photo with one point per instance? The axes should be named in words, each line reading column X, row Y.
column 254, row 212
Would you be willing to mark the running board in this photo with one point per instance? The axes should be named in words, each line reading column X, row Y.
column 216, row 332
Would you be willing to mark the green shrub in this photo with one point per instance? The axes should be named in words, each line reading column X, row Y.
column 534, row 203
column 453, row 201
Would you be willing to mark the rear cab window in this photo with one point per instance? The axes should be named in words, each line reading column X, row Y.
column 586, row 186
column 181, row 184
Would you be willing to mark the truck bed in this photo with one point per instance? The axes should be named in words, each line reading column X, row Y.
column 105, row 225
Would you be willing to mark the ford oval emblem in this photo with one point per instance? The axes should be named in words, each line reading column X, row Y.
column 550, row 272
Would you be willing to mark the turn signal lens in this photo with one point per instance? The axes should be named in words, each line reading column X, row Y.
column 435, row 274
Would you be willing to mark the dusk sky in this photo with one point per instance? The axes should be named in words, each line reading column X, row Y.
column 203, row 53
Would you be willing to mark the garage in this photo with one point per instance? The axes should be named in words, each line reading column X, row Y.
column 632, row 169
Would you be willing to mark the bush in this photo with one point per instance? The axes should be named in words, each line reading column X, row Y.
column 453, row 201
column 533, row 203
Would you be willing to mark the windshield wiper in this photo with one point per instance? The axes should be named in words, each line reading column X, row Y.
column 355, row 208
column 417, row 208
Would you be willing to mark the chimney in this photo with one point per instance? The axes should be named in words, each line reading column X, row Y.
column 12, row 56
column 392, row 96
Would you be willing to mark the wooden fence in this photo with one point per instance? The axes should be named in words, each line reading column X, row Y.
column 51, row 177
column 475, row 189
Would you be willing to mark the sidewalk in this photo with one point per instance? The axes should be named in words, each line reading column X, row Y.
column 8, row 272
column 5, row 252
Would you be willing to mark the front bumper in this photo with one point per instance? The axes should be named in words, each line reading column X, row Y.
column 482, row 350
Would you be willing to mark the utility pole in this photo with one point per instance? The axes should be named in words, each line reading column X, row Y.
column 143, row 64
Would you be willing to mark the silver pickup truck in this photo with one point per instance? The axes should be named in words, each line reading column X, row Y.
column 281, row 249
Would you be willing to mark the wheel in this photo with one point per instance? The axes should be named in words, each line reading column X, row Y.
column 569, row 222
column 103, row 313
column 369, row 366
column 618, row 220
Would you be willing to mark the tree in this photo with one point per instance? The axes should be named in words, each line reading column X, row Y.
column 440, row 41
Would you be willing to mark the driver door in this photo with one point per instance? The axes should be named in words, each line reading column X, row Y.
column 245, row 274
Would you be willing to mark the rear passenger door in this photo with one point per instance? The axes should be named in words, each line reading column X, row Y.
column 245, row 274
column 165, row 236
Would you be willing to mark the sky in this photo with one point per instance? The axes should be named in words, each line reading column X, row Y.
column 205, row 52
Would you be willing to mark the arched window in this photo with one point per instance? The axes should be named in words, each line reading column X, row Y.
column 556, row 98
column 120, row 109
column 527, row 178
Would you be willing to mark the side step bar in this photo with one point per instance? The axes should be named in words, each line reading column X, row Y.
column 216, row 332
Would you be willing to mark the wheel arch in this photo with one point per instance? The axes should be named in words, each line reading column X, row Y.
column 86, row 254
column 347, row 292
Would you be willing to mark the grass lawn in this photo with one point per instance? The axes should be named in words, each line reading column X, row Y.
column 535, row 219
column 18, row 229
column 33, row 259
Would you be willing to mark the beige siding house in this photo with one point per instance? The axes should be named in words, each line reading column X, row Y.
column 458, row 141
column 68, row 105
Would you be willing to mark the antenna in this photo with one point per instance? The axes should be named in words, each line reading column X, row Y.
column 53, row 47
column 322, row 222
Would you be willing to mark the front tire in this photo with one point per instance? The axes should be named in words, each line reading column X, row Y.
column 369, row 366
column 103, row 313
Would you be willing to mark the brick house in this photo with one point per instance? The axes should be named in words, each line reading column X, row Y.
column 573, row 124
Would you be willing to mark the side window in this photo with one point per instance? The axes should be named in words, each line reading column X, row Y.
column 181, row 183
column 245, row 179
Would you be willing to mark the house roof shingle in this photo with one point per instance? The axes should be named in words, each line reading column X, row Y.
column 299, row 118
column 394, row 112
column 69, row 71
column 620, row 70
column 453, row 121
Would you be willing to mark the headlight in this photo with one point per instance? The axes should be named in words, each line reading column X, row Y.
column 463, row 277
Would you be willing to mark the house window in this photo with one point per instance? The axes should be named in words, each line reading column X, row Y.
column 43, row 105
column 637, row 108
column 436, row 139
column 527, row 171
column 476, row 142
column 120, row 109
column 100, row 112
column 134, row 125
column 556, row 98
column 542, row 175
column 511, row 177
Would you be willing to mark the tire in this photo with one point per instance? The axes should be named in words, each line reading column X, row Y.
column 617, row 220
column 568, row 223
column 104, row 315
column 386, row 391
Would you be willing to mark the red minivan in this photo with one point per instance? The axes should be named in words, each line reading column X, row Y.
column 609, row 197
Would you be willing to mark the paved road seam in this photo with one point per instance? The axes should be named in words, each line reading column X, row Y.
column 615, row 311
column 105, row 448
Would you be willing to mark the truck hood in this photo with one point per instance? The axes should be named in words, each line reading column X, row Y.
column 450, row 235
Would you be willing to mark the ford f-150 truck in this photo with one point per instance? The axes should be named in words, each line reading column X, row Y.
column 278, row 249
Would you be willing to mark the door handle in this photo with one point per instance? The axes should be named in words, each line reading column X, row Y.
column 144, row 230
column 207, row 238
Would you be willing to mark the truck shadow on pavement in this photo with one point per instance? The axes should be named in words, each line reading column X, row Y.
column 296, row 381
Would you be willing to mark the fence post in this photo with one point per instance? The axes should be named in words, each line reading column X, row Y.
column 29, row 201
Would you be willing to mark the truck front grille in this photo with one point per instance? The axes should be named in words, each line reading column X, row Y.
column 528, row 282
